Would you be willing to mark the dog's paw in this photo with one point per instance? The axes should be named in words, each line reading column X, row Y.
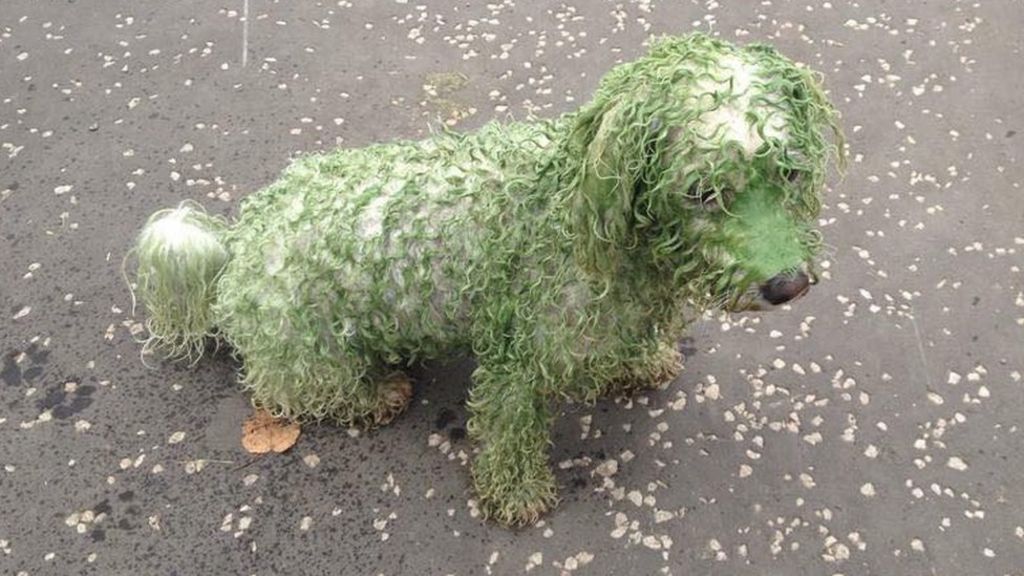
column 394, row 395
column 515, row 502
column 518, row 507
column 654, row 372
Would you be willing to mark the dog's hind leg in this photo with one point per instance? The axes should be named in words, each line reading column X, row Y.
column 511, row 417
column 311, row 380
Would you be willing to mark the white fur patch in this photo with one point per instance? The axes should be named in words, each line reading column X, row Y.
column 730, row 120
column 176, row 233
column 371, row 220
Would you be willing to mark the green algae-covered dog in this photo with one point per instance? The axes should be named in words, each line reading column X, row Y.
column 562, row 253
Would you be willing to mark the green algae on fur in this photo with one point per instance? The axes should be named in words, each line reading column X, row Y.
column 565, row 254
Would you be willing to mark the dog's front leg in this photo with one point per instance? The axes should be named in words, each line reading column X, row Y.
column 511, row 418
column 654, row 366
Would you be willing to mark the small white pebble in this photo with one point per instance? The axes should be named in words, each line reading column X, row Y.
column 956, row 463
column 635, row 497
column 712, row 392
column 607, row 468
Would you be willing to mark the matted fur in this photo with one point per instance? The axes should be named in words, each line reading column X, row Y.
column 562, row 253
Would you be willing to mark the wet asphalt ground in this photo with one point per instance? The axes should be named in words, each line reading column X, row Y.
column 874, row 428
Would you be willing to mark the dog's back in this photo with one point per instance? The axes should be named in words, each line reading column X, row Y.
column 381, row 245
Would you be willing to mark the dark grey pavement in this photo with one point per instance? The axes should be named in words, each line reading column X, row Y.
column 875, row 428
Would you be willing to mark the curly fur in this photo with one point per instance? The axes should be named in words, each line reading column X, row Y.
column 563, row 253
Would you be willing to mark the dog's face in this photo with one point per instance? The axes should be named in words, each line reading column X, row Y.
column 709, row 159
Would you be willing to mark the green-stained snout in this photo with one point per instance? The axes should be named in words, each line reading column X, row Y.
column 770, row 245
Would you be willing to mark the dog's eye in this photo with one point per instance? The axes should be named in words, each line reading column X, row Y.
column 799, row 94
column 792, row 175
column 707, row 196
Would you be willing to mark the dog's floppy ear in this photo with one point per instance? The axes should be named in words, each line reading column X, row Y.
column 609, row 154
column 608, row 158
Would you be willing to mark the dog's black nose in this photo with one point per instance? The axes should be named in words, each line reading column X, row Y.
column 785, row 287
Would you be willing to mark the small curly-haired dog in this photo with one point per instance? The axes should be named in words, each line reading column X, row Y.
column 562, row 253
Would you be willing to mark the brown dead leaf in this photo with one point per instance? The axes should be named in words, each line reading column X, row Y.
column 263, row 433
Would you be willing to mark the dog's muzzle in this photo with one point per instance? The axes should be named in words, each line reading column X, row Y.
column 786, row 287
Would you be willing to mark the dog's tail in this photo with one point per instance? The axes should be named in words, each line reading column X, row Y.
column 180, row 253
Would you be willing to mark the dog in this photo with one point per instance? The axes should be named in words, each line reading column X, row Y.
column 565, row 254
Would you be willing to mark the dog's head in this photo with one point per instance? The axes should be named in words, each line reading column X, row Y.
column 705, row 161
